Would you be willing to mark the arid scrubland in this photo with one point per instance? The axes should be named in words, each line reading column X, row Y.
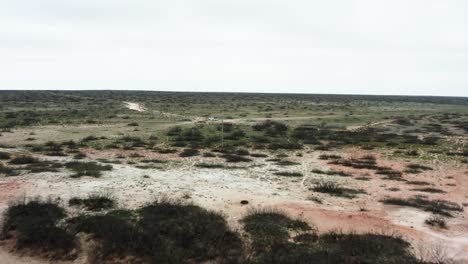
column 160, row 177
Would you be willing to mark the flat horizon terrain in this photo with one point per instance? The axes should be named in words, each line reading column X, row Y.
column 179, row 177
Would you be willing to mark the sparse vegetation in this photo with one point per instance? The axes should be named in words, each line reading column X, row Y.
column 428, row 189
column 92, row 169
column 23, row 159
column 8, row 170
column 335, row 189
column 155, row 232
column 35, row 223
column 437, row 221
column 95, row 202
column 235, row 158
column 416, row 168
column 189, row 153
column 331, row 172
column 288, row 174
column 271, row 140
column 440, row 207
column 276, row 238
column 4, row 155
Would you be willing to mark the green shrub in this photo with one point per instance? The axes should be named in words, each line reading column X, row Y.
column 8, row 170
column 268, row 227
column 94, row 202
column 436, row 220
column 235, row 158
column 331, row 172
column 4, row 155
column 44, row 166
column 190, row 152
column 258, row 155
column 428, row 189
column 210, row 165
column 271, row 128
column 79, row 155
column 440, row 207
column 165, row 232
column 329, row 157
column 289, row 174
column 416, row 168
column 35, row 223
column 92, row 169
column 23, row 159
column 281, row 162
column 335, row 189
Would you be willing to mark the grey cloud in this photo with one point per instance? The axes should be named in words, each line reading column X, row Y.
column 352, row 46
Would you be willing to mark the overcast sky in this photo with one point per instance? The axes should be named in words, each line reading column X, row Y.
column 414, row 47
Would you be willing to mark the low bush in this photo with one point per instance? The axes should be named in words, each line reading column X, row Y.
column 417, row 183
column 164, row 232
column 235, row 158
column 189, row 152
column 335, row 189
column 209, row 165
column 271, row 128
column 279, row 239
column 35, row 223
column 92, row 169
column 268, row 227
column 95, row 202
column 8, row 170
column 389, row 173
column 440, row 207
column 329, row 157
column 4, row 155
column 89, row 138
column 281, row 162
column 289, row 174
column 331, row 172
column 437, row 221
column 258, row 155
column 429, row 190
column 242, row 152
column 416, row 168
column 153, row 161
column 209, row 155
column 44, row 166
column 79, row 155
column 366, row 162
column 23, row 159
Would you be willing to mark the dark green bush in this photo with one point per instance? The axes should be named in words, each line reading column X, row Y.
column 23, row 159
column 235, row 158
column 35, row 223
column 335, row 189
column 268, row 227
column 190, row 152
column 165, row 232
column 8, row 170
column 271, row 128
column 4, row 155
column 437, row 221
column 289, row 174
column 440, row 207
column 93, row 202
column 92, row 169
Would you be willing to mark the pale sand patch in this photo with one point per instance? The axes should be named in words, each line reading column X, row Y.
column 222, row 190
column 135, row 106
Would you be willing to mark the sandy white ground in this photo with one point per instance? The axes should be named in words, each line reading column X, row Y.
column 222, row 190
